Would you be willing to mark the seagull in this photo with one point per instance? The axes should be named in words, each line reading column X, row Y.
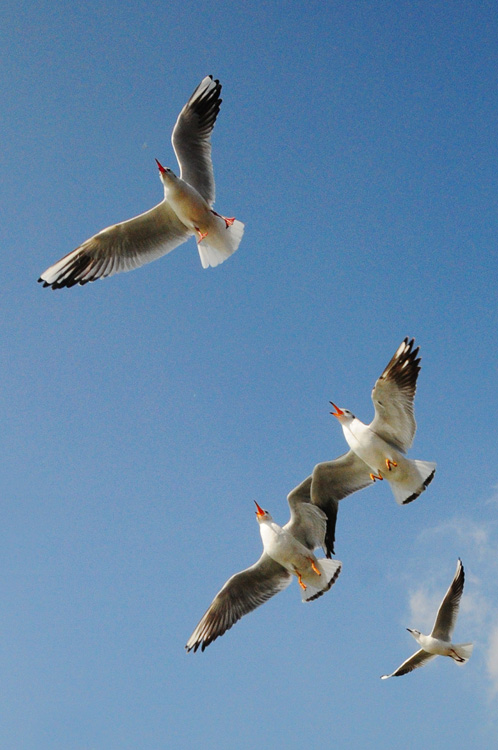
column 287, row 551
column 439, row 641
column 394, row 426
column 187, row 209
column 381, row 445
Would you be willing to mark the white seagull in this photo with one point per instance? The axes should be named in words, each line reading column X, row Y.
column 185, row 210
column 438, row 643
column 331, row 481
column 381, row 445
column 287, row 551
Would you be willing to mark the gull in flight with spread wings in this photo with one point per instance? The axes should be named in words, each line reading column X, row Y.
column 381, row 445
column 438, row 643
column 376, row 449
column 185, row 210
column 287, row 551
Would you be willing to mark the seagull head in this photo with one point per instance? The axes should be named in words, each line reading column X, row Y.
column 343, row 415
column 164, row 172
column 416, row 633
column 262, row 515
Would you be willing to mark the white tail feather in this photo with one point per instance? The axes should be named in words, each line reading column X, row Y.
column 330, row 570
column 217, row 247
column 416, row 479
column 464, row 651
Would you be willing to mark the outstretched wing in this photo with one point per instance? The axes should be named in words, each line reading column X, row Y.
column 330, row 482
column 448, row 609
column 242, row 593
column 418, row 659
column 393, row 396
column 191, row 137
column 120, row 247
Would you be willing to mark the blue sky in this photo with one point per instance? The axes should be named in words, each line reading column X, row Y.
column 143, row 414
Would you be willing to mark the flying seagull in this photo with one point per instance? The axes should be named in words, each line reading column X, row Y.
column 287, row 551
column 185, row 210
column 439, row 641
column 381, row 445
column 394, row 426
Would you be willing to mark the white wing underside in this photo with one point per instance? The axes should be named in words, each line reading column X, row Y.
column 241, row 594
column 191, row 137
column 393, row 396
column 120, row 247
column 418, row 659
column 448, row 609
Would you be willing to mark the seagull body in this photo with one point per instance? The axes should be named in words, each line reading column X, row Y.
column 283, row 547
column 287, row 551
column 185, row 211
column 438, row 643
column 381, row 445
column 390, row 434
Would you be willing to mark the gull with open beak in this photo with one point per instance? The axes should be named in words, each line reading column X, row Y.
column 186, row 210
column 382, row 444
column 390, row 434
column 438, row 643
column 287, row 551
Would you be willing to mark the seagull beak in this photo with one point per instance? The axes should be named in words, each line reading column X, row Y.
column 338, row 412
column 410, row 630
column 260, row 511
column 161, row 168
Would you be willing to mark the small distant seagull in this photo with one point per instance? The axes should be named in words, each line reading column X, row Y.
column 392, row 430
column 185, row 211
column 381, row 445
column 439, row 641
column 287, row 551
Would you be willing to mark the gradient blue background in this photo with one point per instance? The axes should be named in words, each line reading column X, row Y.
column 142, row 415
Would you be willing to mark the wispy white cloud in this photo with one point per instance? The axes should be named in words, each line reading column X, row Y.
column 492, row 659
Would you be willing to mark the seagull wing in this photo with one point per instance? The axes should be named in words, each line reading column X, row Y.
column 191, row 137
column 308, row 523
column 418, row 659
column 242, row 593
column 448, row 609
column 330, row 482
column 393, row 396
column 120, row 247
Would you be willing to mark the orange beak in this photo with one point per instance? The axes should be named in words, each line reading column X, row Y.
column 260, row 511
column 161, row 168
column 338, row 412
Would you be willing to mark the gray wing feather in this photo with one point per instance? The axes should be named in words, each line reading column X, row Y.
column 448, row 609
column 191, row 137
column 308, row 523
column 330, row 482
column 393, row 396
column 241, row 594
column 418, row 659
column 120, row 247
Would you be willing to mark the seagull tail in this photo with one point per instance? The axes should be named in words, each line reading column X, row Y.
column 463, row 651
column 217, row 247
column 418, row 476
column 330, row 570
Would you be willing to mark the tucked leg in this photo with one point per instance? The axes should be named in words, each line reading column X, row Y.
column 228, row 222
column 373, row 477
column 318, row 572
column 390, row 463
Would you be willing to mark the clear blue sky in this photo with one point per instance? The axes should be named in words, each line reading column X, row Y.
column 143, row 414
